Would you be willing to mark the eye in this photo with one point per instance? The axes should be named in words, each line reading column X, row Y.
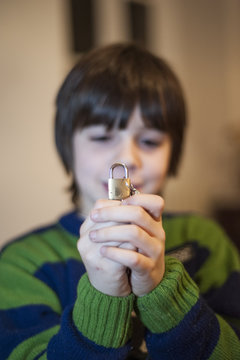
column 102, row 138
column 150, row 143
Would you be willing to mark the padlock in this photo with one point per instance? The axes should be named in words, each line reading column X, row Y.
column 119, row 189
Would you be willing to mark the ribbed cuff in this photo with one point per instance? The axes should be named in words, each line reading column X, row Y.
column 104, row 319
column 165, row 306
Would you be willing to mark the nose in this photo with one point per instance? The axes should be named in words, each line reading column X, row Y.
column 129, row 154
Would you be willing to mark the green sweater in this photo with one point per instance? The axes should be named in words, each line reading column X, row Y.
column 49, row 309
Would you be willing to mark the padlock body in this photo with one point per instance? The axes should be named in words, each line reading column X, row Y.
column 119, row 189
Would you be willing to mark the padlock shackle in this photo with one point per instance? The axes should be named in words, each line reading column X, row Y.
column 126, row 172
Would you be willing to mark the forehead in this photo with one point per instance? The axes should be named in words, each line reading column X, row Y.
column 136, row 120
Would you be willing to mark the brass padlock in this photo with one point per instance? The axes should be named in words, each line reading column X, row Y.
column 119, row 189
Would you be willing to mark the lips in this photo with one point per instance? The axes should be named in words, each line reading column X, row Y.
column 105, row 185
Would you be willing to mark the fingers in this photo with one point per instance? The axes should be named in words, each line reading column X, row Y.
column 153, row 204
column 127, row 214
column 130, row 259
column 88, row 223
column 84, row 245
column 128, row 234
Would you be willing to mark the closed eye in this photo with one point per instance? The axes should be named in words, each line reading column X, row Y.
column 100, row 138
column 150, row 143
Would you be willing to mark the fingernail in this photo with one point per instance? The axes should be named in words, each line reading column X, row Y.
column 93, row 235
column 103, row 250
column 94, row 214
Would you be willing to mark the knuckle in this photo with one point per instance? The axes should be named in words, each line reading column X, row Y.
column 160, row 207
column 161, row 203
column 159, row 250
column 82, row 229
column 151, row 267
column 136, row 231
column 163, row 235
column 139, row 213
column 80, row 246
column 135, row 260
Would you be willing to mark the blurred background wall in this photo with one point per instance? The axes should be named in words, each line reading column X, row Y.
column 199, row 38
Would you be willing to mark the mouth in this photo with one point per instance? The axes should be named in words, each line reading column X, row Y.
column 105, row 186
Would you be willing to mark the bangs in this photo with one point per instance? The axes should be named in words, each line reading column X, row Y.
column 109, row 98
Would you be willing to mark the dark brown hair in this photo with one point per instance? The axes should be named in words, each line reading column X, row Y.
column 106, row 85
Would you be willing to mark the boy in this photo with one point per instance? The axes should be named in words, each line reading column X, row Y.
column 70, row 297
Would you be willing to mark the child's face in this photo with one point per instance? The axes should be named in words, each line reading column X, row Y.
column 145, row 151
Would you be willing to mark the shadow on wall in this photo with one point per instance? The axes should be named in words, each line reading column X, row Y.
column 83, row 24
column 228, row 214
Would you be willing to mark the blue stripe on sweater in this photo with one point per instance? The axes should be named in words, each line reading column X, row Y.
column 196, row 336
column 17, row 325
column 219, row 299
column 191, row 254
column 62, row 278
column 70, row 344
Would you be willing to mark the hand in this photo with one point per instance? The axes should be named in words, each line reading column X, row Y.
column 107, row 276
column 137, row 221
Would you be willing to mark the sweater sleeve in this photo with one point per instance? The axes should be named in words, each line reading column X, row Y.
column 199, row 317
column 39, row 321
column 97, row 327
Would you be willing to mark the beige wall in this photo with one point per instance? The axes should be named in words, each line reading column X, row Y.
column 200, row 38
column 34, row 57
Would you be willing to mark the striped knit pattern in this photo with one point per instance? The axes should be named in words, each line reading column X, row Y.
column 49, row 309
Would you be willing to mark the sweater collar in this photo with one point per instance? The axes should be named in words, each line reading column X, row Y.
column 71, row 222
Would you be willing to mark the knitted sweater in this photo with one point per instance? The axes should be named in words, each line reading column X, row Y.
column 49, row 309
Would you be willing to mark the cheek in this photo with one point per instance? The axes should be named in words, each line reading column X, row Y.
column 160, row 162
column 156, row 169
column 156, row 174
column 83, row 158
column 84, row 169
column 166, row 158
column 81, row 166
column 89, row 168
